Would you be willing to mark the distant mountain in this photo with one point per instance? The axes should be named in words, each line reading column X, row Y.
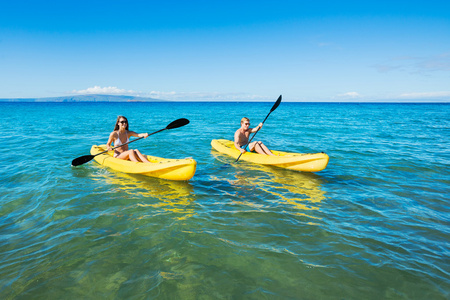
column 85, row 98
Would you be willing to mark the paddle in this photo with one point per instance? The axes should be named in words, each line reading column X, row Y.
column 271, row 110
column 86, row 158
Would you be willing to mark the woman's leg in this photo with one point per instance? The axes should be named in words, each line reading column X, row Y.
column 124, row 155
column 140, row 156
column 133, row 155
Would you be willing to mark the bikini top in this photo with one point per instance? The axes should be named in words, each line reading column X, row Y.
column 118, row 142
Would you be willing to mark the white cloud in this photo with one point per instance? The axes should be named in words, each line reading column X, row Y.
column 174, row 96
column 426, row 95
column 217, row 96
column 436, row 63
column 206, row 96
column 110, row 90
column 384, row 68
column 416, row 65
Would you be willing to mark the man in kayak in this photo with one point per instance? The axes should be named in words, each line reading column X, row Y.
column 241, row 139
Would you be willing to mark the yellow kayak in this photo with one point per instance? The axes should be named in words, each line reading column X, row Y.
column 311, row 162
column 172, row 169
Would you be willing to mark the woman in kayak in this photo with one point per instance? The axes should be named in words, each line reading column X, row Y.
column 241, row 139
column 120, row 136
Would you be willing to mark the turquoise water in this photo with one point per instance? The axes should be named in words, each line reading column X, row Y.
column 373, row 225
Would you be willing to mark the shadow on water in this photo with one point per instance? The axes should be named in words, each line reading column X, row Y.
column 243, row 183
column 299, row 190
column 170, row 196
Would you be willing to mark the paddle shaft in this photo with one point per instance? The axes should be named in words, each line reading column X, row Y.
column 250, row 140
column 273, row 108
column 84, row 159
column 129, row 142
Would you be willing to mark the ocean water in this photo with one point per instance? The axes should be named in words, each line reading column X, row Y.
column 373, row 225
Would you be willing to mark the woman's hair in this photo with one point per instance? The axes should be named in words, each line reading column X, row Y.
column 116, row 127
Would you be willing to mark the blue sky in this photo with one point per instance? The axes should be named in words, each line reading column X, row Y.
column 227, row 50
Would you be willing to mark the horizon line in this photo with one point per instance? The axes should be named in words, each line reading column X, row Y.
column 140, row 99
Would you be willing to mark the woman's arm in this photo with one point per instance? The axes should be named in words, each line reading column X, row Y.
column 110, row 140
column 132, row 133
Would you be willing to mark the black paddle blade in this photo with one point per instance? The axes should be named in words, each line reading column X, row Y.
column 276, row 104
column 82, row 160
column 178, row 123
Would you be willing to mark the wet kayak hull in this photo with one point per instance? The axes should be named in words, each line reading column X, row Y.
column 309, row 162
column 171, row 169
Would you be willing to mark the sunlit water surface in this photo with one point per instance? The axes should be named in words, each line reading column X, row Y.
column 373, row 225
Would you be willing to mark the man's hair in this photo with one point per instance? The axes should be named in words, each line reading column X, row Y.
column 245, row 119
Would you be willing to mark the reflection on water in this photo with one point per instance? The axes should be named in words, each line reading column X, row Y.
column 88, row 232
column 168, row 195
column 301, row 191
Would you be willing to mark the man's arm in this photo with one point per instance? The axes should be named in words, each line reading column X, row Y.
column 257, row 128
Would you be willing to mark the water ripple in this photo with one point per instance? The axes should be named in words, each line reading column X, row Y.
column 373, row 225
